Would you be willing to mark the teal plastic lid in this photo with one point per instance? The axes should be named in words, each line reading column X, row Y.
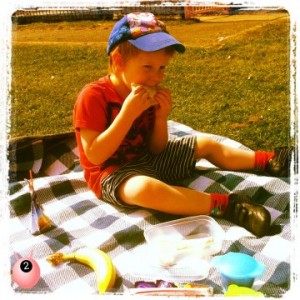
column 238, row 266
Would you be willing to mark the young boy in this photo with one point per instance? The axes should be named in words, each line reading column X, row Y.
column 121, row 130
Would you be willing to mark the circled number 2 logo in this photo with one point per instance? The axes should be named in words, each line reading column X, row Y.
column 26, row 272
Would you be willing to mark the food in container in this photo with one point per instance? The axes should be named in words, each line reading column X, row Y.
column 198, row 237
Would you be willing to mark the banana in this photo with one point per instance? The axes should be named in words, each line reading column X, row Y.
column 96, row 259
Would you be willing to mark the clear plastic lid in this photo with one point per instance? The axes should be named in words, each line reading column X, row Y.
column 178, row 251
column 198, row 237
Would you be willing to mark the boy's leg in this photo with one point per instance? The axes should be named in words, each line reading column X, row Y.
column 275, row 163
column 223, row 156
column 153, row 194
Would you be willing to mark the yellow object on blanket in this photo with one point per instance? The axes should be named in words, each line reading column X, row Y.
column 96, row 259
column 240, row 291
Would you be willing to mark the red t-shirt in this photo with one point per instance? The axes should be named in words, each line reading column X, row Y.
column 96, row 107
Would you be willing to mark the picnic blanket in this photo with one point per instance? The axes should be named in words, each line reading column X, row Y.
column 80, row 219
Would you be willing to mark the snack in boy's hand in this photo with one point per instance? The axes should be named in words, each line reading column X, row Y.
column 151, row 90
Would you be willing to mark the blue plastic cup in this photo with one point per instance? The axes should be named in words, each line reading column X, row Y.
column 238, row 268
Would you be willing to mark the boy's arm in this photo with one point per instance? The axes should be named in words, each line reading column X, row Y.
column 99, row 146
column 159, row 137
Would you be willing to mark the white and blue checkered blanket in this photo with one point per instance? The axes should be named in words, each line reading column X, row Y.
column 80, row 219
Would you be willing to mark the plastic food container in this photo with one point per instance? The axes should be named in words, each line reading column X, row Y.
column 185, row 239
column 238, row 268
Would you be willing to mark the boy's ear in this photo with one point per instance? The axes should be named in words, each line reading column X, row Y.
column 117, row 60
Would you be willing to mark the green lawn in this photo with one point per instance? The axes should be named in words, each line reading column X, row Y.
column 233, row 79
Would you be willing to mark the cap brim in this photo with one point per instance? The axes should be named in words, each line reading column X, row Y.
column 156, row 41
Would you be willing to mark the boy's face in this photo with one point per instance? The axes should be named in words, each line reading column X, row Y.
column 146, row 68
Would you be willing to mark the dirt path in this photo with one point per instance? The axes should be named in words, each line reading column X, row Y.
column 244, row 17
column 209, row 31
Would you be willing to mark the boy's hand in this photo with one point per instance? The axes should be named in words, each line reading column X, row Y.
column 138, row 101
column 164, row 100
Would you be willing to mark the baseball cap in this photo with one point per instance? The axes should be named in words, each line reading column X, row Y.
column 144, row 31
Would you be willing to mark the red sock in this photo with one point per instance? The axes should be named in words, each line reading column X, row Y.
column 218, row 204
column 261, row 159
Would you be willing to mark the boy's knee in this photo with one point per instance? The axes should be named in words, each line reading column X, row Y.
column 138, row 190
column 204, row 146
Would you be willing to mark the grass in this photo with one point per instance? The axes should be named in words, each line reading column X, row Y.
column 233, row 79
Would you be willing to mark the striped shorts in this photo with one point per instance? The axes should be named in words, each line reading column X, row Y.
column 175, row 163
